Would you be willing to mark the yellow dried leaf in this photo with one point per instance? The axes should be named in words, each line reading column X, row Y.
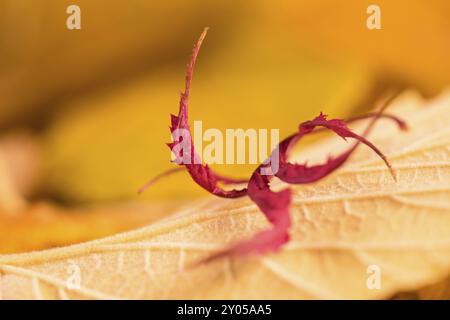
column 356, row 218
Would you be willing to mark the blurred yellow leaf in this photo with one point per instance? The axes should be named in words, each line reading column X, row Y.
column 356, row 218
column 412, row 46
column 42, row 63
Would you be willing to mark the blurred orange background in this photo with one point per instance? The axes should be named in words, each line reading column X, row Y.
column 85, row 113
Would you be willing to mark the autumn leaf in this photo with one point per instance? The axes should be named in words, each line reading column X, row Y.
column 354, row 219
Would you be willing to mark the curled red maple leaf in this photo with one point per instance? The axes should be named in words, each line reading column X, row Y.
column 274, row 205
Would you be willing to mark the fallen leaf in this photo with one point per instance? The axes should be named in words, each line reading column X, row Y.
column 356, row 218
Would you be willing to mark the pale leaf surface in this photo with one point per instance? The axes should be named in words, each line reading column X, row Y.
column 355, row 218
